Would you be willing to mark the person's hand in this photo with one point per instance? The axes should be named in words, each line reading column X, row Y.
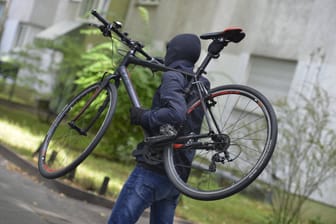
column 136, row 115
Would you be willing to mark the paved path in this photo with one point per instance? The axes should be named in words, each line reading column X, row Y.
column 23, row 199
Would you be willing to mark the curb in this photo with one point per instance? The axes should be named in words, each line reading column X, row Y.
column 55, row 184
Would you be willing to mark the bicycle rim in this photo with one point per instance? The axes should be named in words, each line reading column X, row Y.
column 77, row 130
column 241, row 144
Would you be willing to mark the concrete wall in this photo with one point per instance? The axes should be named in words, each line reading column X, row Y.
column 280, row 29
column 37, row 15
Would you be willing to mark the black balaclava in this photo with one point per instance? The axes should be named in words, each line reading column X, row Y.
column 183, row 47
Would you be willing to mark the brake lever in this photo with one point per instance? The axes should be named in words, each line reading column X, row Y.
column 105, row 30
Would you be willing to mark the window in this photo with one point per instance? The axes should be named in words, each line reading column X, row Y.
column 2, row 8
column 2, row 11
column 25, row 34
column 22, row 32
column 271, row 76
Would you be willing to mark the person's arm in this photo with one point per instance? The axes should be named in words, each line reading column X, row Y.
column 173, row 106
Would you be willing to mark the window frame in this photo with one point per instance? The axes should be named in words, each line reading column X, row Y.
column 276, row 78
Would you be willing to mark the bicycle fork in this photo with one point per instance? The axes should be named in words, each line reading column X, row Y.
column 83, row 131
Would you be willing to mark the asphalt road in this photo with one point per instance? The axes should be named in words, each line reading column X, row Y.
column 23, row 199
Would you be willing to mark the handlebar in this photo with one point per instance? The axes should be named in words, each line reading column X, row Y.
column 99, row 17
column 107, row 27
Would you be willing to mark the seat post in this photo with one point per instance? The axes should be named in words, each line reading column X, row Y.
column 205, row 62
column 199, row 72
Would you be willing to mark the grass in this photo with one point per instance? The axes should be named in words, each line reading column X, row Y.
column 233, row 210
column 21, row 94
column 316, row 210
column 23, row 132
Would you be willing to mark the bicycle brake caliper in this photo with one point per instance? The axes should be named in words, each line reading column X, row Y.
column 211, row 102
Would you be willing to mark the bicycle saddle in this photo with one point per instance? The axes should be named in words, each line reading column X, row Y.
column 232, row 34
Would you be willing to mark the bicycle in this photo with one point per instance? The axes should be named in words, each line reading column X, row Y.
column 237, row 139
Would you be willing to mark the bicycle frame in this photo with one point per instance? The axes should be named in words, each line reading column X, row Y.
column 130, row 58
column 122, row 73
column 151, row 63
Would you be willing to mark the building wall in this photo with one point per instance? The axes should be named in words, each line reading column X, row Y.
column 169, row 18
column 18, row 11
column 27, row 19
column 290, row 30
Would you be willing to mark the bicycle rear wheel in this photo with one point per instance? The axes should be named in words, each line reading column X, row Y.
column 77, row 130
column 232, row 155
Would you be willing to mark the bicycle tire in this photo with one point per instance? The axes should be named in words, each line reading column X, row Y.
column 250, row 151
column 77, row 130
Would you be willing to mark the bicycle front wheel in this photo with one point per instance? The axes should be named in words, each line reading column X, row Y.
column 231, row 155
column 77, row 130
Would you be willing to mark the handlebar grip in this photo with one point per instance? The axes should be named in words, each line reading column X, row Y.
column 99, row 17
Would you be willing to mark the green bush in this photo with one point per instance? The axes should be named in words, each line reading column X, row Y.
column 121, row 138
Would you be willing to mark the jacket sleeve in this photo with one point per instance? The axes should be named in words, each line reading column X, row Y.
column 173, row 106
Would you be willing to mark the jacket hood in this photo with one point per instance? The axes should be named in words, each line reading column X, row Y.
column 185, row 47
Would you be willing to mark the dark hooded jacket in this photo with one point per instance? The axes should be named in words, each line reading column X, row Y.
column 170, row 102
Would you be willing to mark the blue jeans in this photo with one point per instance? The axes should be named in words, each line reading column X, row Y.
column 143, row 189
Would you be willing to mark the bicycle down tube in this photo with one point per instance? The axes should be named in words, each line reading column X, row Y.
column 129, row 86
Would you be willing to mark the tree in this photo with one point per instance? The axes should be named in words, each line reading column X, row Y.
column 305, row 156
